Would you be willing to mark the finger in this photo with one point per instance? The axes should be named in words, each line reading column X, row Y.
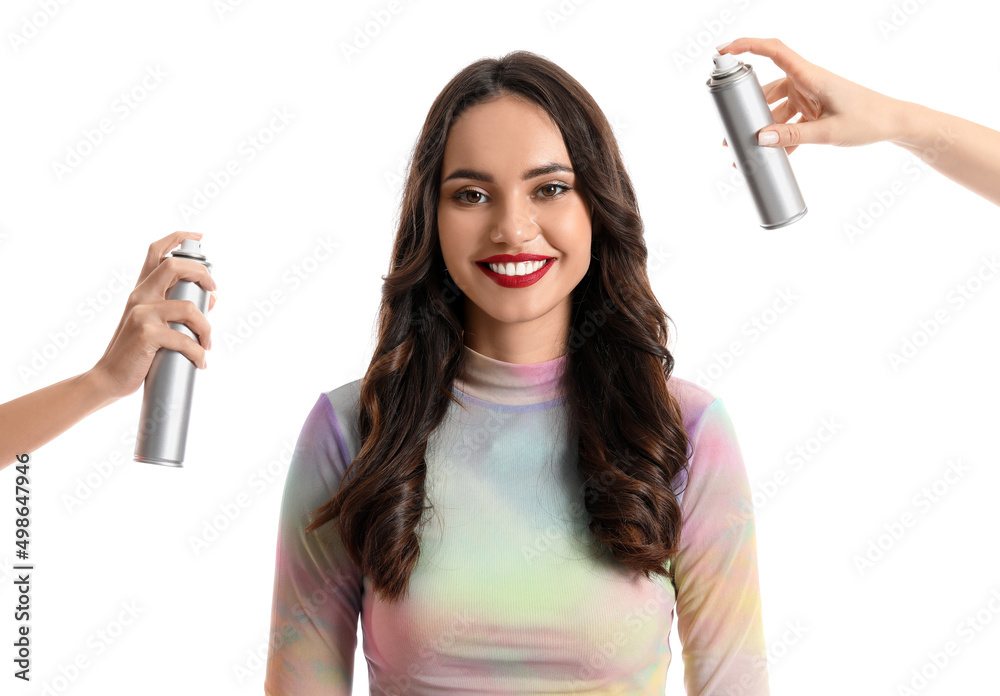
column 773, row 91
column 784, row 112
column 792, row 148
column 165, row 337
column 181, row 312
column 160, row 248
column 167, row 274
column 784, row 57
column 771, row 85
column 799, row 132
column 211, row 301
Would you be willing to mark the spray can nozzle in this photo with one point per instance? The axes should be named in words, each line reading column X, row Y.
column 724, row 62
column 725, row 65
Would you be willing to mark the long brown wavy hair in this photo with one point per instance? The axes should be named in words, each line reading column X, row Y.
column 632, row 440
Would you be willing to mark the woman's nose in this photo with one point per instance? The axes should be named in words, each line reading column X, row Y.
column 515, row 221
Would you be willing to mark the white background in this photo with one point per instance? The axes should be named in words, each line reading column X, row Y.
column 334, row 174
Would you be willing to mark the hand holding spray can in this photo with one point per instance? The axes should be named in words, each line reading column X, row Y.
column 169, row 384
column 744, row 111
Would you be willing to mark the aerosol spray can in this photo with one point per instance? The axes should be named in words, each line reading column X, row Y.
column 744, row 111
column 169, row 384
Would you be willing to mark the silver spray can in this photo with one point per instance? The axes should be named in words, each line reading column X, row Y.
column 744, row 111
column 169, row 384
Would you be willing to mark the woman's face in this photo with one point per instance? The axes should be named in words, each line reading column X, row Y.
column 507, row 187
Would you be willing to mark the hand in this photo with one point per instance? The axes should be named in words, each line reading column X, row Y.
column 143, row 327
column 834, row 111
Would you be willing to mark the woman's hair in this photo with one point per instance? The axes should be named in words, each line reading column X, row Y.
column 632, row 440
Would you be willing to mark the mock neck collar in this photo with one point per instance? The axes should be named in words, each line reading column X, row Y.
column 512, row 384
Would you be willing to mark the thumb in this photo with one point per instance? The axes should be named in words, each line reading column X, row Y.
column 794, row 134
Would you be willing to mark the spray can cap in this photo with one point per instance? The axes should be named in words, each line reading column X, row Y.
column 191, row 249
column 724, row 63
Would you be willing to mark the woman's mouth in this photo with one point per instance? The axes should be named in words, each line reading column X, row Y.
column 530, row 272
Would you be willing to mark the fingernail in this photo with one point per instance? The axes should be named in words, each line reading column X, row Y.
column 722, row 46
column 767, row 138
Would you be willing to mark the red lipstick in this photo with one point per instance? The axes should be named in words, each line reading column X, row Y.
column 514, row 281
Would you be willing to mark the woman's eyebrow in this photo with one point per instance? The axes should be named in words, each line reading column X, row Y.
column 547, row 168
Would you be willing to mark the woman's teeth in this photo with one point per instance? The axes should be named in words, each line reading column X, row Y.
column 517, row 269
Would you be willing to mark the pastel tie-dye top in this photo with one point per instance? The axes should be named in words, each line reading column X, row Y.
column 507, row 596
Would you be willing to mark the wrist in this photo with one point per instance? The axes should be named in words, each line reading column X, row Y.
column 97, row 389
column 913, row 125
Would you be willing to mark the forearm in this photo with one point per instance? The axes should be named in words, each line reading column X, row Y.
column 965, row 152
column 30, row 421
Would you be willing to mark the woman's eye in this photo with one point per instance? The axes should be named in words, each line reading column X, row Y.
column 547, row 190
column 473, row 197
column 461, row 195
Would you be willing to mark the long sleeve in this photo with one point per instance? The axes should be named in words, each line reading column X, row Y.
column 317, row 589
column 720, row 621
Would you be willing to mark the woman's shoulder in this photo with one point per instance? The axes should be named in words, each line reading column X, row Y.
column 328, row 440
column 710, row 431
column 346, row 396
column 692, row 398
column 342, row 406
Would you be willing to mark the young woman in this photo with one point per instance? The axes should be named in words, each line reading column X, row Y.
column 518, row 494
